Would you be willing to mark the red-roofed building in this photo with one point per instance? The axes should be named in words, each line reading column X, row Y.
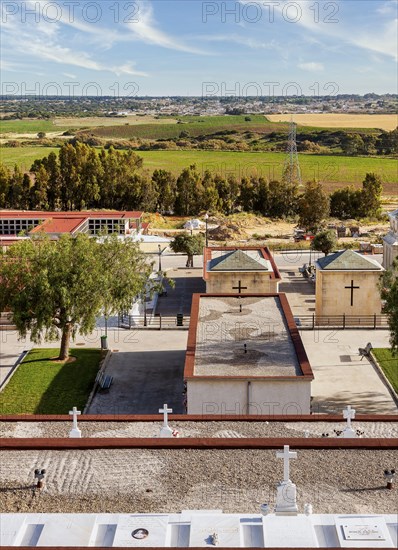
column 12, row 223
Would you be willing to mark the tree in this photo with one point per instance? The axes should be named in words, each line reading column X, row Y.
column 389, row 293
column 313, row 206
column 189, row 192
column 345, row 203
column 55, row 288
column 41, row 135
column 190, row 245
column 325, row 241
column 372, row 189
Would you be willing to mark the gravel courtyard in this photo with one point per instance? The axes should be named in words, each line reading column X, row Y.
column 195, row 429
column 142, row 480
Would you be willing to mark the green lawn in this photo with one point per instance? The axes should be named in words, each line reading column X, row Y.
column 42, row 386
column 389, row 364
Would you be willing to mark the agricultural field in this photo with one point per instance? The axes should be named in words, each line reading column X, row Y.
column 336, row 120
column 29, row 126
column 24, row 156
column 334, row 171
column 195, row 126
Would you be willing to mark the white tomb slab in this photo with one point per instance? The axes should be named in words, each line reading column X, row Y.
column 10, row 529
column 289, row 532
column 76, row 530
column 226, row 528
column 141, row 531
column 363, row 532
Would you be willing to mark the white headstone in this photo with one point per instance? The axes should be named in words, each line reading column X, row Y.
column 75, row 432
column 286, row 455
column 286, row 497
column 349, row 414
column 165, row 431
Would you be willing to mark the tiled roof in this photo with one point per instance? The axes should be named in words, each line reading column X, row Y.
column 239, row 260
column 348, row 260
column 24, row 214
column 58, row 225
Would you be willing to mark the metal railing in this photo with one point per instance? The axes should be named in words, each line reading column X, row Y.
column 311, row 322
column 155, row 322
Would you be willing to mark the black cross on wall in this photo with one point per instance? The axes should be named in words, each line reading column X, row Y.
column 352, row 288
column 239, row 288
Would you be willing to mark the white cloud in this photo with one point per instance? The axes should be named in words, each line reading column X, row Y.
column 146, row 30
column 380, row 37
column 311, row 66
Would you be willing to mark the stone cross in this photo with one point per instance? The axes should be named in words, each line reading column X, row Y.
column 239, row 288
column 286, row 455
column 165, row 412
column 349, row 414
column 352, row 287
column 75, row 432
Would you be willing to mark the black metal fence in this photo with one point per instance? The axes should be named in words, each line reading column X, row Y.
column 155, row 322
column 311, row 322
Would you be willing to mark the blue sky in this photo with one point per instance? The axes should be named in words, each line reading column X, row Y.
column 192, row 47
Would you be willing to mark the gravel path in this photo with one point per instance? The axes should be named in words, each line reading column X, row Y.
column 150, row 481
column 194, row 429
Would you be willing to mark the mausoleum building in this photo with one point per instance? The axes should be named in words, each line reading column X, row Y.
column 245, row 356
column 390, row 241
column 247, row 270
column 347, row 284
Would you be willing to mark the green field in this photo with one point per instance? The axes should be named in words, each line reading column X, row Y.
column 334, row 171
column 29, row 126
column 23, row 156
column 389, row 364
column 195, row 126
column 43, row 386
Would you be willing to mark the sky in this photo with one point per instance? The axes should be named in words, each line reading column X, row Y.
column 198, row 48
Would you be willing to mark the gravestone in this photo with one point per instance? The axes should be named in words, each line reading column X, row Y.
column 75, row 432
column 286, row 498
column 165, row 430
column 363, row 532
column 211, row 531
column 141, row 531
column 348, row 414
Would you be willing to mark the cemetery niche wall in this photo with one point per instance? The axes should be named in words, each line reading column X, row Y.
column 245, row 356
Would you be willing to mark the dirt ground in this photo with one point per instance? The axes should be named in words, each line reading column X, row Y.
column 255, row 229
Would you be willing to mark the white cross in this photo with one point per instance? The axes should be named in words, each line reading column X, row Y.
column 349, row 414
column 286, row 455
column 74, row 412
column 165, row 411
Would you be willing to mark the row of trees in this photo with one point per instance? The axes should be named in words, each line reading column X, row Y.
column 81, row 178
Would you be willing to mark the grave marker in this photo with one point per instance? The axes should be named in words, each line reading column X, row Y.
column 75, row 432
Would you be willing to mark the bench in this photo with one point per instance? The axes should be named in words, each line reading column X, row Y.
column 104, row 381
column 365, row 352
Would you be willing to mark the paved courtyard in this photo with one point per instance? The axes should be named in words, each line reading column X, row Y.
column 147, row 371
column 341, row 378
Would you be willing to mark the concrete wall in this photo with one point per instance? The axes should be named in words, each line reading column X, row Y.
column 223, row 283
column 332, row 298
column 222, row 396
